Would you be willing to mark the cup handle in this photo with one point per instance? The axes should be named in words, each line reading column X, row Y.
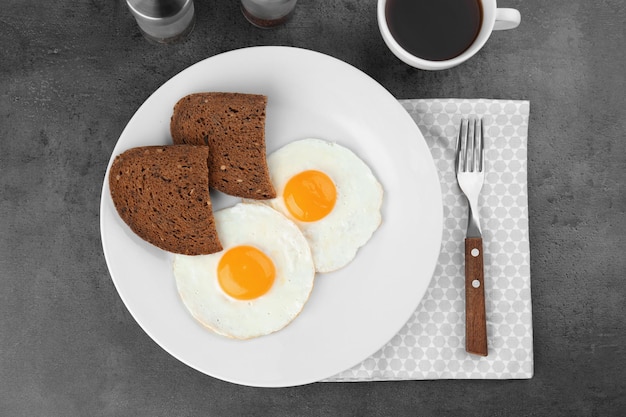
column 507, row 19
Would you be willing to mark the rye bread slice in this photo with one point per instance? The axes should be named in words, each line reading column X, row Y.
column 233, row 126
column 162, row 194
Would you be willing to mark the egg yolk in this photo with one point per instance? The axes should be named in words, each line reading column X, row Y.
column 245, row 273
column 310, row 195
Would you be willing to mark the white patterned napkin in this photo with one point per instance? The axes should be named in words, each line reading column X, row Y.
column 432, row 344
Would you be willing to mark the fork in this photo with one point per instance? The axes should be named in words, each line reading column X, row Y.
column 470, row 175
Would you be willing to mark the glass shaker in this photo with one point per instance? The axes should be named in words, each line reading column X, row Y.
column 267, row 13
column 163, row 21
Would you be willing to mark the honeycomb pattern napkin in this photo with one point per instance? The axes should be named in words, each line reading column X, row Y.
column 432, row 343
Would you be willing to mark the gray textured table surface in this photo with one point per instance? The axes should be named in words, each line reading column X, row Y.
column 73, row 73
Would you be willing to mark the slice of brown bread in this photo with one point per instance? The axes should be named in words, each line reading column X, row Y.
column 233, row 126
column 162, row 193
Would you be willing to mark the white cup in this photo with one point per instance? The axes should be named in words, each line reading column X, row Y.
column 494, row 18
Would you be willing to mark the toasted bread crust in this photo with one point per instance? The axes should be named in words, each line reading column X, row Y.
column 233, row 127
column 162, row 194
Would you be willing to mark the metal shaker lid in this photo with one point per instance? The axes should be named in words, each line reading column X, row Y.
column 157, row 9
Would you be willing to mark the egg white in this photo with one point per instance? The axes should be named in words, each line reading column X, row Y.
column 269, row 231
column 336, row 238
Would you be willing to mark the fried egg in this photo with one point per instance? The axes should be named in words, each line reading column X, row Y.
column 331, row 194
column 258, row 284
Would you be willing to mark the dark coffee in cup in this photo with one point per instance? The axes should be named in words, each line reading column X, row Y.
column 435, row 30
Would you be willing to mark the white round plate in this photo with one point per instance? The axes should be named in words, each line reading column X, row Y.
column 351, row 313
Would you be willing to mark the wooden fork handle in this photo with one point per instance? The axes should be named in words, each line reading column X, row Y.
column 475, row 318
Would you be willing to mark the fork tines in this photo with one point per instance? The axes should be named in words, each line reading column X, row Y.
column 470, row 155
